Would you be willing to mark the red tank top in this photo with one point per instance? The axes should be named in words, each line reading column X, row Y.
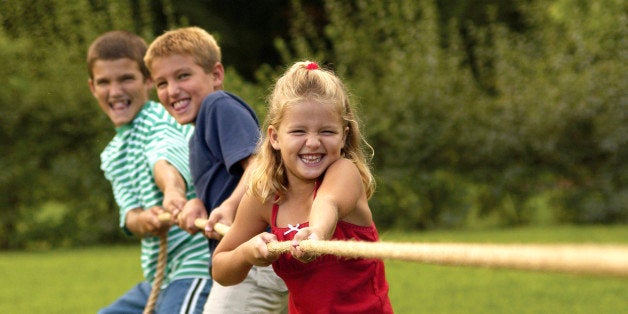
column 331, row 284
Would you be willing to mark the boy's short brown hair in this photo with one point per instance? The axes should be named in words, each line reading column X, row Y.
column 115, row 45
column 188, row 41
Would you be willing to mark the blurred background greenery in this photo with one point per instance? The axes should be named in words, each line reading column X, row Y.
column 482, row 113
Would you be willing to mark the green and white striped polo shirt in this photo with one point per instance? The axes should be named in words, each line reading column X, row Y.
column 128, row 162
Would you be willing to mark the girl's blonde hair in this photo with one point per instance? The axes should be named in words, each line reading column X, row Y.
column 187, row 41
column 306, row 82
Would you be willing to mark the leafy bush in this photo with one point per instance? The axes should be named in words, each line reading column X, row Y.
column 484, row 125
column 474, row 122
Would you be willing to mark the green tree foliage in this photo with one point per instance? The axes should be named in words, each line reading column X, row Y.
column 52, row 130
column 485, row 121
column 480, row 112
column 563, row 98
column 52, row 191
column 415, row 97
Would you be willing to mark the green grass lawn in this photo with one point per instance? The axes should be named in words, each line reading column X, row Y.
column 83, row 280
column 66, row 281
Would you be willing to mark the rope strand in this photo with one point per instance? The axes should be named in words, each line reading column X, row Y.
column 162, row 260
column 570, row 258
column 584, row 259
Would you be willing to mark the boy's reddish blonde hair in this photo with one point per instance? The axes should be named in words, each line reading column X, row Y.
column 188, row 41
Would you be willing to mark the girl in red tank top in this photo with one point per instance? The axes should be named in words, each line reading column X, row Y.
column 311, row 137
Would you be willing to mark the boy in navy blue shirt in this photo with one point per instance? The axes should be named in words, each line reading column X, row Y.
column 188, row 74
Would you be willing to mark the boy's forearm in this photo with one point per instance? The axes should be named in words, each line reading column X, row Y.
column 168, row 178
column 233, row 201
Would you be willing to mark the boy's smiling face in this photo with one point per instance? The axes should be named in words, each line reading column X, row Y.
column 182, row 85
column 120, row 89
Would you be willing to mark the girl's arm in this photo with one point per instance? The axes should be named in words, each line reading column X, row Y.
column 244, row 245
column 341, row 196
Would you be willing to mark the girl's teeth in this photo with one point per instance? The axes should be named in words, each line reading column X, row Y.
column 311, row 159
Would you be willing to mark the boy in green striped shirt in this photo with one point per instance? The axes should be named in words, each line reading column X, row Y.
column 147, row 165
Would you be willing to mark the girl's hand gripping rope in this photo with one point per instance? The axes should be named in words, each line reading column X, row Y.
column 303, row 234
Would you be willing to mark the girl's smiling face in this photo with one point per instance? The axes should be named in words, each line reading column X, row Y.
column 310, row 138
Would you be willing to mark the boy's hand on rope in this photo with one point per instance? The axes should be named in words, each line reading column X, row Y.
column 306, row 233
column 173, row 203
column 194, row 209
column 144, row 223
column 216, row 216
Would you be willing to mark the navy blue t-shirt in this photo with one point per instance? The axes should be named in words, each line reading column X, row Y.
column 227, row 131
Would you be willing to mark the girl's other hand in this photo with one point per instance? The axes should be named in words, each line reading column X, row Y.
column 306, row 233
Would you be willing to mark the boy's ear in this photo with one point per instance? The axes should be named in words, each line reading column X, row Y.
column 272, row 137
column 218, row 72
column 148, row 81
column 90, row 82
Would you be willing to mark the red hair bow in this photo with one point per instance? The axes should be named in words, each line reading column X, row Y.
column 312, row 66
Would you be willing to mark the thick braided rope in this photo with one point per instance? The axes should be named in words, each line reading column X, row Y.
column 162, row 260
column 585, row 259
column 571, row 258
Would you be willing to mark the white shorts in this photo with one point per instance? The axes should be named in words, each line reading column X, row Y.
column 262, row 291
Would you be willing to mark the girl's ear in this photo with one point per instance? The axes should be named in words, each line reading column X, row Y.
column 344, row 137
column 273, row 137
